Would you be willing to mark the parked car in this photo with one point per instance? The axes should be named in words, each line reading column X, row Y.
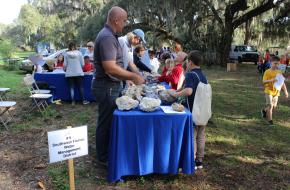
column 244, row 53
column 27, row 65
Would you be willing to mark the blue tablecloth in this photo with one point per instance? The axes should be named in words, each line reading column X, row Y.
column 143, row 143
column 60, row 83
column 166, row 85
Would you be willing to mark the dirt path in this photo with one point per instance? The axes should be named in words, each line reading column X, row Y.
column 23, row 159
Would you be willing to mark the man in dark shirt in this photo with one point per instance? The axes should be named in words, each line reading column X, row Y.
column 108, row 76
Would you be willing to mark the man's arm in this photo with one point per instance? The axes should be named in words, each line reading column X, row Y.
column 133, row 68
column 115, row 70
column 184, row 92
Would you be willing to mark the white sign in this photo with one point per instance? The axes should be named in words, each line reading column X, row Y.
column 67, row 143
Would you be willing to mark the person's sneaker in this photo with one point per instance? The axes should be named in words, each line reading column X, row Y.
column 198, row 165
column 85, row 102
column 73, row 103
column 263, row 113
column 271, row 123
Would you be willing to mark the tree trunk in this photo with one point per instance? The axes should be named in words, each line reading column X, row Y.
column 226, row 37
column 225, row 46
column 247, row 32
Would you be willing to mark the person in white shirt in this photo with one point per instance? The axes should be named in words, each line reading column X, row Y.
column 154, row 61
column 127, row 43
column 73, row 67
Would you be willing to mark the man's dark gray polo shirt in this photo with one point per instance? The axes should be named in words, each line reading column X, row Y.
column 107, row 48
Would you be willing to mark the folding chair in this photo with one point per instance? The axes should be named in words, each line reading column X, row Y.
column 3, row 92
column 40, row 101
column 5, row 115
column 32, row 85
column 39, row 97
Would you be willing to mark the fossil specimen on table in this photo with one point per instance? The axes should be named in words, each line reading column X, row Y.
column 177, row 107
column 135, row 92
column 126, row 103
column 149, row 104
column 165, row 96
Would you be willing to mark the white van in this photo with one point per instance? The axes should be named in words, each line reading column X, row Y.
column 244, row 53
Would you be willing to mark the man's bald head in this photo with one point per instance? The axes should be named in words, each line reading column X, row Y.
column 115, row 13
column 117, row 18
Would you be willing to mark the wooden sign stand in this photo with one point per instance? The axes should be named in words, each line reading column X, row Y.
column 67, row 144
column 71, row 172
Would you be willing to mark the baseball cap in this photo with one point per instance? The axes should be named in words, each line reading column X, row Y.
column 140, row 34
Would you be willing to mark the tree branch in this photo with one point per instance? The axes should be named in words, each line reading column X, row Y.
column 283, row 13
column 255, row 12
column 214, row 11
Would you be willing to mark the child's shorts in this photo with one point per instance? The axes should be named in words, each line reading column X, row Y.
column 270, row 100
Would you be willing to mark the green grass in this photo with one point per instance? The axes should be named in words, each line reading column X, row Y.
column 23, row 54
column 242, row 151
column 12, row 80
column 19, row 54
column 59, row 176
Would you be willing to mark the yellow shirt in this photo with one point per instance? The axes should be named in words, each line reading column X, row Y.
column 269, row 87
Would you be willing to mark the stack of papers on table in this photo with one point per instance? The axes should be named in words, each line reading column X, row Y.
column 168, row 109
column 58, row 71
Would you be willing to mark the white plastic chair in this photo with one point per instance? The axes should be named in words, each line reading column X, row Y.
column 3, row 92
column 39, row 99
column 30, row 83
column 5, row 115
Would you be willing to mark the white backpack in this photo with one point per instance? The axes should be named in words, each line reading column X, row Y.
column 201, row 109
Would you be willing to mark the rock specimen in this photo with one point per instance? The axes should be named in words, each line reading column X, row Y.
column 165, row 96
column 126, row 103
column 149, row 104
column 177, row 107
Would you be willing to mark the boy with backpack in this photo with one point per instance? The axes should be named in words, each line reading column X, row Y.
column 271, row 93
column 194, row 79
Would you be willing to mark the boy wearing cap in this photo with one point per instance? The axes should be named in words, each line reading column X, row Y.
column 271, row 93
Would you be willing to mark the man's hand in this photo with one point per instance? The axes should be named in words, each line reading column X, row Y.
column 172, row 93
column 138, row 80
column 130, row 83
column 274, row 80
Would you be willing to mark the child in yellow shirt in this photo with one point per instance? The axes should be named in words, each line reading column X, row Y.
column 271, row 93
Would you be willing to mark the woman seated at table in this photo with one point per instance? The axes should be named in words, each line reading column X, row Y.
column 138, row 53
column 59, row 62
column 174, row 77
column 88, row 67
column 168, row 66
